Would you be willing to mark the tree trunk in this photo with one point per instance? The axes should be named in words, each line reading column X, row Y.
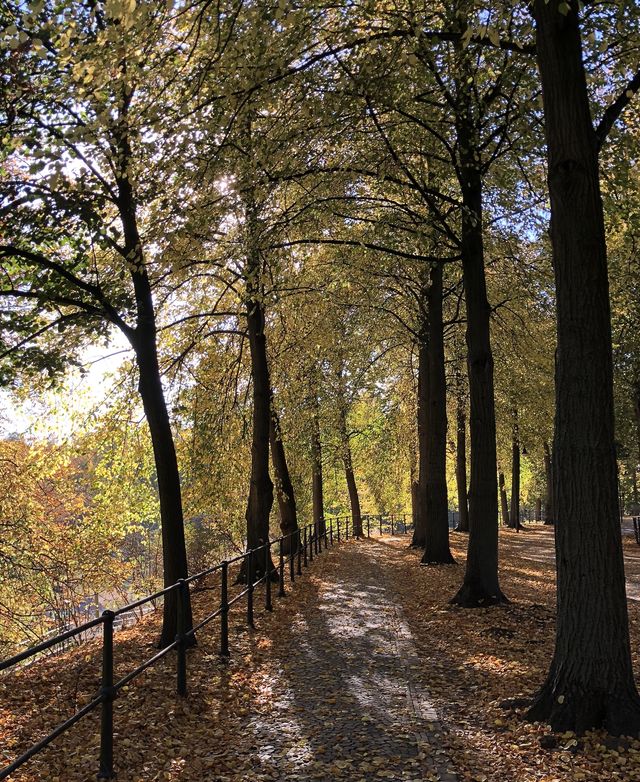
column 480, row 586
column 316, row 469
column 437, row 517
column 352, row 487
column 284, row 487
column 174, row 552
column 514, row 516
column 504, row 502
column 461, row 464
column 419, row 537
column 590, row 682
column 549, row 512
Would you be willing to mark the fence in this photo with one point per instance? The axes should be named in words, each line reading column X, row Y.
column 302, row 545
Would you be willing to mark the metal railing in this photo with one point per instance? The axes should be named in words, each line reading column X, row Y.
column 302, row 545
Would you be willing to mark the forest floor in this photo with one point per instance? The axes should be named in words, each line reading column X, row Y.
column 363, row 672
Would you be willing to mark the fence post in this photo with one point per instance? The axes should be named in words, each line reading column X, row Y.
column 281, row 592
column 106, row 692
column 250, row 587
column 338, row 520
column 346, row 531
column 306, row 529
column 268, row 605
column 331, row 532
column 392, row 525
column 299, row 548
column 315, row 539
column 224, row 611
column 181, row 647
column 292, row 560
column 311, row 543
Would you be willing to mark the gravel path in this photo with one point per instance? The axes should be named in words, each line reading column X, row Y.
column 352, row 708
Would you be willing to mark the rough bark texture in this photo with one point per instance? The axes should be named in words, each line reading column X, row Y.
column 316, row 469
column 549, row 512
column 419, row 537
column 461, row 465
column 590, row 682
column 437, row 516
column 143, row 339
column 504, row 502
column 481, row 586
column 284, row 486
column 514, row 516
column 354, row 499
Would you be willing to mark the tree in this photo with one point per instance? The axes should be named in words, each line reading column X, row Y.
column 590, row 682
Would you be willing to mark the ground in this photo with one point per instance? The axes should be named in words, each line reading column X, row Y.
column 363, row 672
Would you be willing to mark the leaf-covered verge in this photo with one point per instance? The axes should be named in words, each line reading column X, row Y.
column 472, row 662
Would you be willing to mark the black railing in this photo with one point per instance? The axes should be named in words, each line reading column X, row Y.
column 301, row 546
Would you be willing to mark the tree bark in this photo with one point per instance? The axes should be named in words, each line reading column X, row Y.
column 549, row 512
column 437, row 506
column 284, row 486
column 317, row 490
column 143, row 340
column 461, row 463
column 590, row 682
column 354, row 499
column 419, row 537
column 504, row 502
column 514, row 516
column 480, row 586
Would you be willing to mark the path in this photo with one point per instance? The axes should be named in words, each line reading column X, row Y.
column 352, row 707
column 542, row 550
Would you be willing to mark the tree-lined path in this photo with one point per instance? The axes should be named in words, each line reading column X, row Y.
column 364, row 671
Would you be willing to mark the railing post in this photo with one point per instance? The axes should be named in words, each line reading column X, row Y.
column 338, row 521
column 181, row 647
column 224, row 610
column 368, row 526
column 392, row 525
column 311, row 543
column 106, row 692
column 281, row 592
column 380, row 523
column 299, row 549
column 268, row 605
column 315, row 539
column 346, row 531
column 305, row 546
column 250, row 587
column 331, row 532
column 292, row 562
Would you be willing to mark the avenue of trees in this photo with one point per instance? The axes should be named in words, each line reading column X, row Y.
column 359, row 257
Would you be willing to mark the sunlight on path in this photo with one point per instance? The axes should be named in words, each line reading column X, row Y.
column 351, row 709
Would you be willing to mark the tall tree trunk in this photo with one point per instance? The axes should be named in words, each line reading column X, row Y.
column 504, row 502
column 514, row 516
column 284, row 486
column 480, row 586
column 354, row 499
column 143, row 340
column 317, row 492
column 419, row 537
column 437, row 527
column 590, row 682
column 549, row 510
column 174, row 552
column 461, row 461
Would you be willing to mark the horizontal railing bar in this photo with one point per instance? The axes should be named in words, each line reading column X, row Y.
column 48, row 644
column 7, row 770
column 204, row 622
column 238, row 596
column 203, row 573
column 137, row 671
column 143, row 600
